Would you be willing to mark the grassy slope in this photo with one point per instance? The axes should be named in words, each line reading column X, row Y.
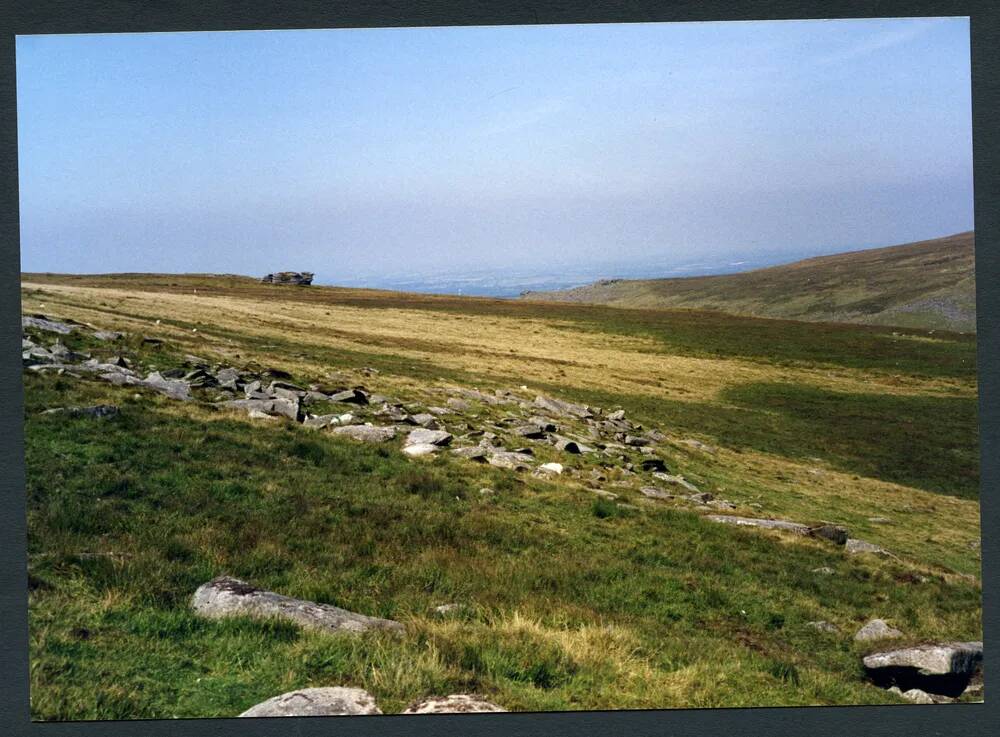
column 930, row 284
column 575, row 603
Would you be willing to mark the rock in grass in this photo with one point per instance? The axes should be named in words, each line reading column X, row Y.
column 423, row 436
column 822, row 626
column 877, row 629
column 453, row 704
column 509, row 460
column 853, row 547
column 834, row 533
column 768, row 524
column 920, row 697
column 230, row 597
column 475, row 453
column 553, row 469
column 653, row 493
column 98, row 410
column 459, row 405
column 420, row 449
column 351, row 396
column 561, row 408
column 655, row 465
column 367, row 433
column 679, row 481
column 283, row 407
column 172, row 388
column 316, row 702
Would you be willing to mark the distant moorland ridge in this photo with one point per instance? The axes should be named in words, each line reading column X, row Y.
column 929, row 284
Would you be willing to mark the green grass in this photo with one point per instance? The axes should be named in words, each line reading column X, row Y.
column 927, row 442
column 572, row 603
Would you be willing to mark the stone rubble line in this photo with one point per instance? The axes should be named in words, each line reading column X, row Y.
column 610, row 434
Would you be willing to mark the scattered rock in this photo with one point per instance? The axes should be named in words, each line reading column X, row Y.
column 876, row 629
column 551, row 468
column 453, row 704
column 316, row 702
column 108, row 335
column 367, row 433
column 230, row 597
column 446, row 609
column 824, row 570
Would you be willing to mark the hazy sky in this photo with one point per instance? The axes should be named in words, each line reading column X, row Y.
column 394, row 151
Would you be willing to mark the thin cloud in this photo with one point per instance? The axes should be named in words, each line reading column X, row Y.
column 881, row 41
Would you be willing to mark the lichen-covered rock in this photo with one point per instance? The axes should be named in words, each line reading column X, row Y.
column 453, row 704
column 230, row 597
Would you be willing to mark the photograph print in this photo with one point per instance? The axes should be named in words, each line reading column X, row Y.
column 499, row 369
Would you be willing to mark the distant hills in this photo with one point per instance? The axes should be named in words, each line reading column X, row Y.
column 929, row 284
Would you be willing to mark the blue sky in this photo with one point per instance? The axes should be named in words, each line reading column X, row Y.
column 386, row 152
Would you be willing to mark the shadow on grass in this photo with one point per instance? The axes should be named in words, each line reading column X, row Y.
column 929, row 443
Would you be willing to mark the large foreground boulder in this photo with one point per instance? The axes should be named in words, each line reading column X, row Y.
column 316, row 702
column 942, row 668
column 230, row 597
column 453, row 704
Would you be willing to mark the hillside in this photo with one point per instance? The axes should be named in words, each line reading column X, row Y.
column 929, row 284
column 537, row 495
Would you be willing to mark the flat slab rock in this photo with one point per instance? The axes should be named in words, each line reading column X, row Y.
column 769, row 524
column 230, row 597
column 927, row 673
column 51, row 326
column 316, row 702
column 454, row 704
column 428, row 437
column 940, row 659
